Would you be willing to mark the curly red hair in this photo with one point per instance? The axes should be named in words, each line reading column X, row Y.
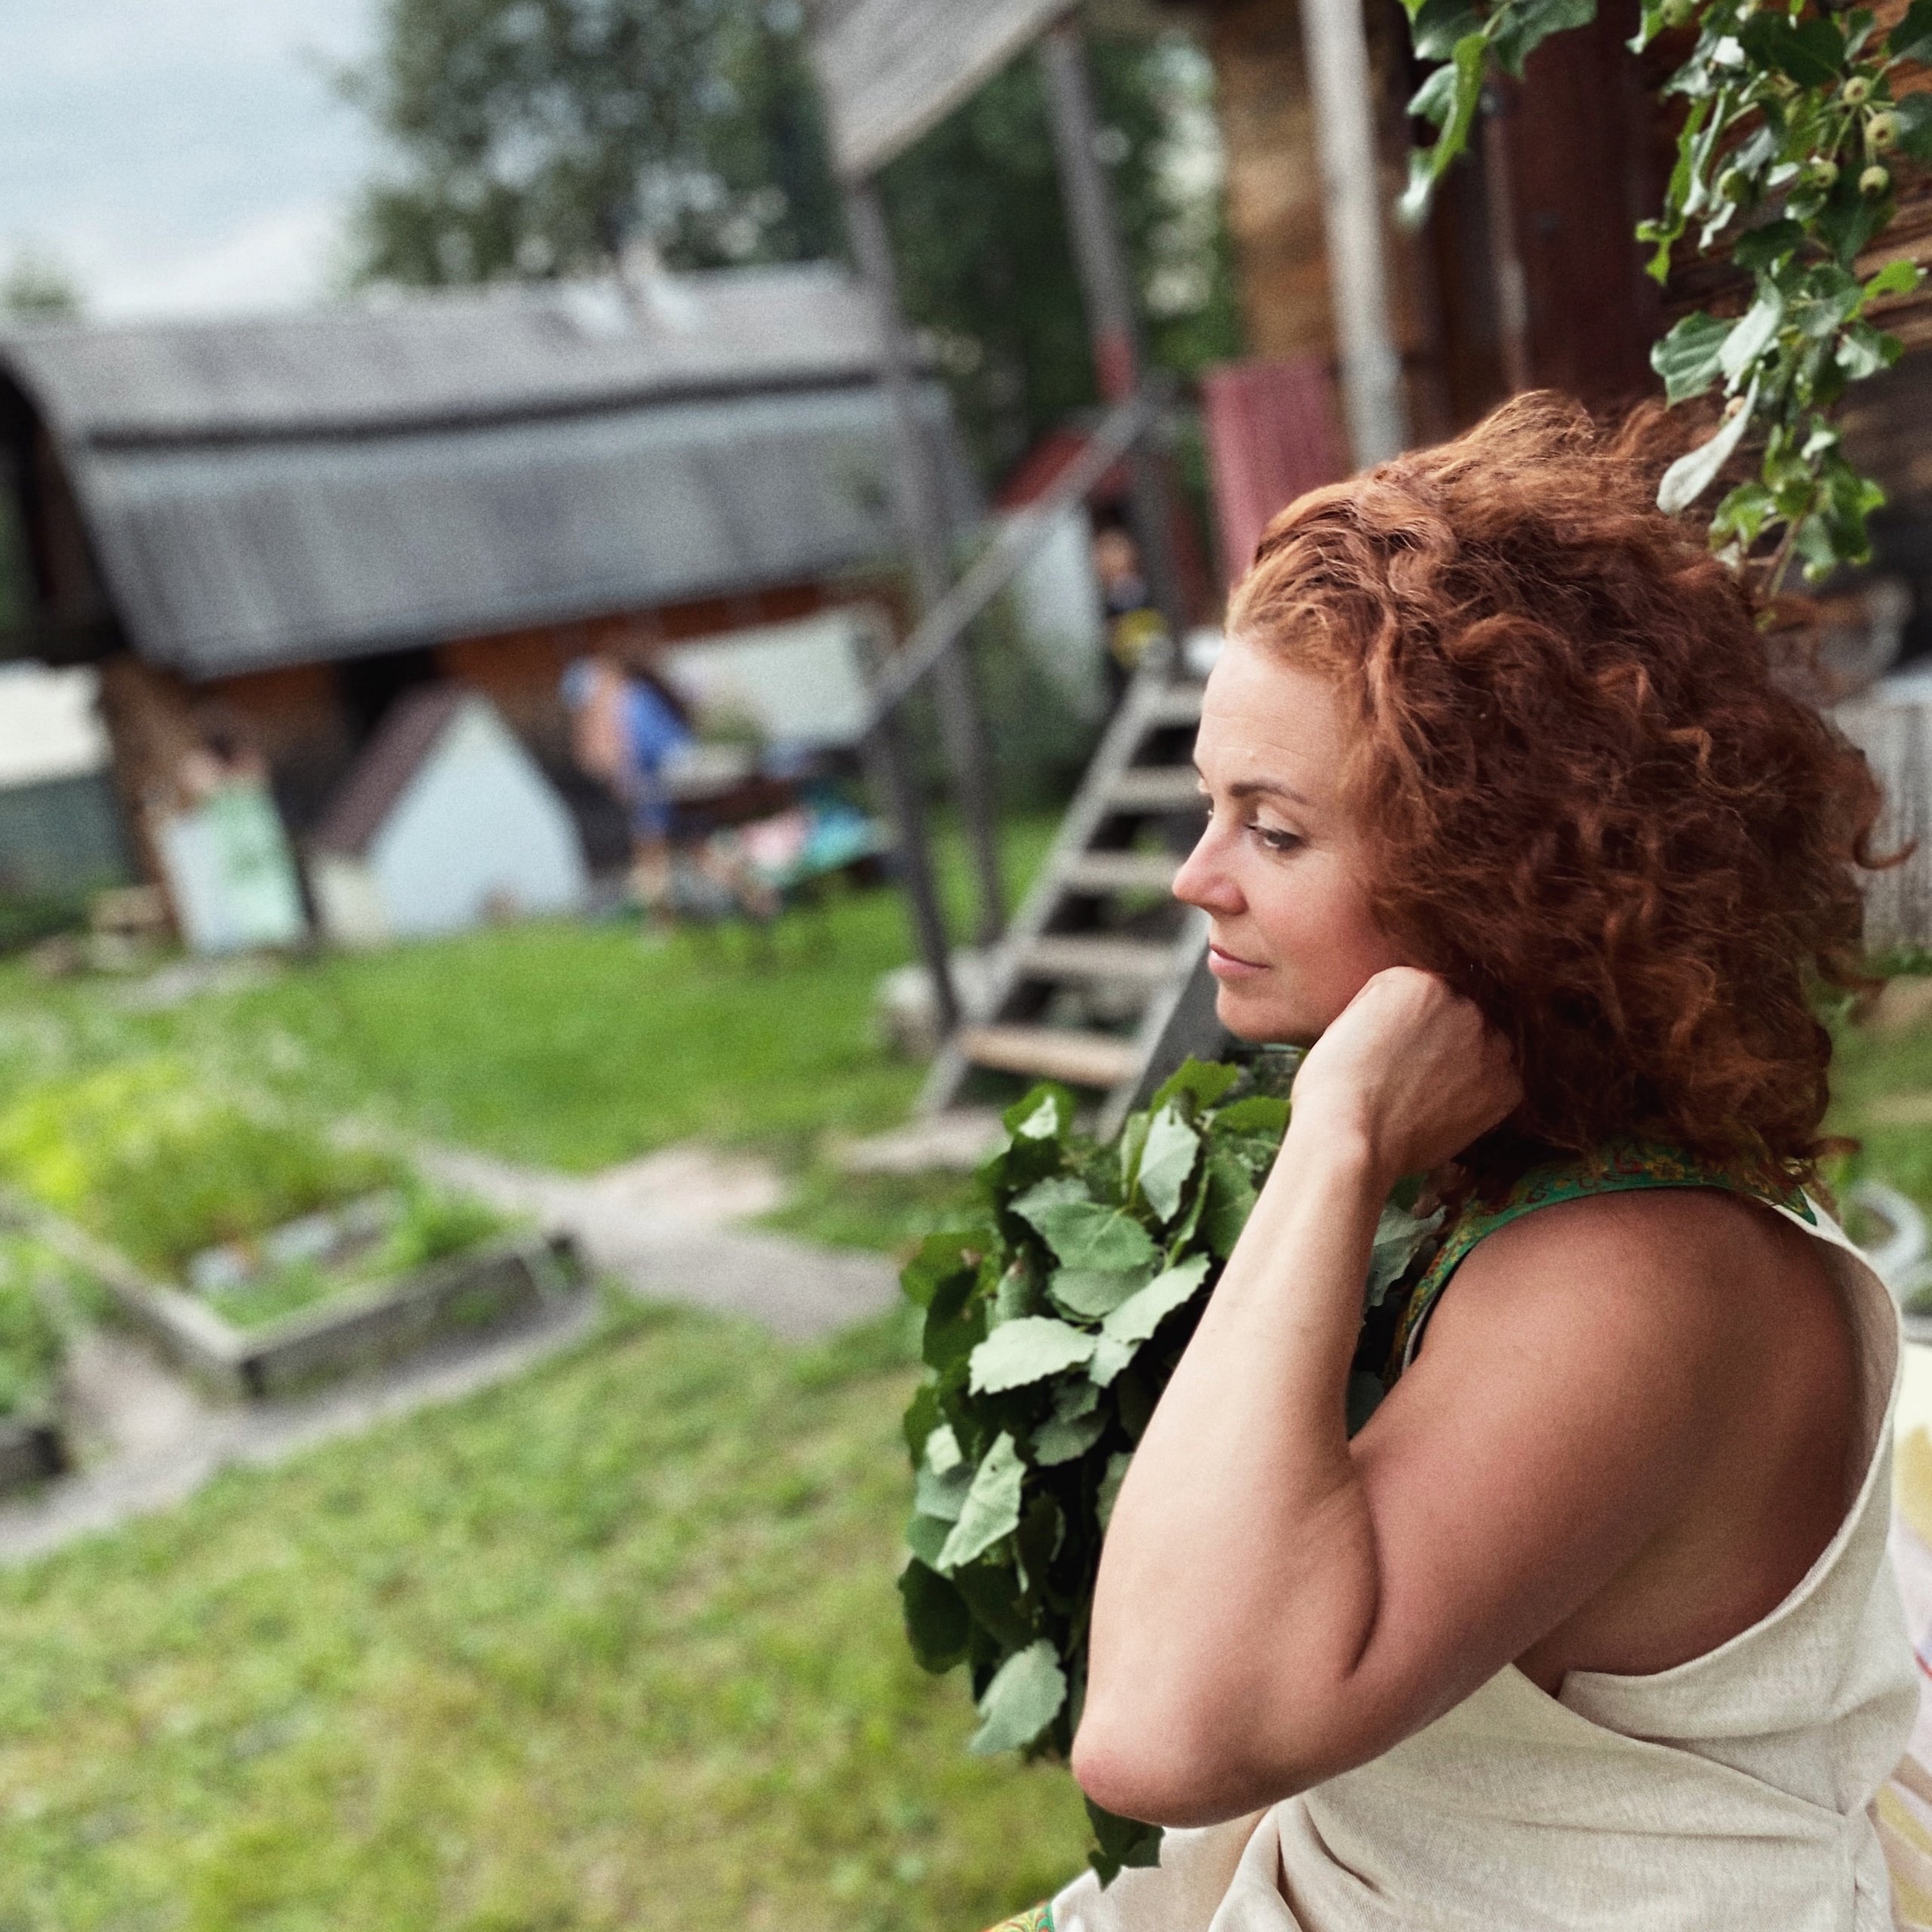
column 1594, row 810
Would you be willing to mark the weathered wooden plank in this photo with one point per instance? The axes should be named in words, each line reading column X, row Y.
column 1052, row 1053
column 1895, row 733
column 890, row 69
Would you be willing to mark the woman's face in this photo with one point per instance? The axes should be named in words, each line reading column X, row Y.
column 1280, row 869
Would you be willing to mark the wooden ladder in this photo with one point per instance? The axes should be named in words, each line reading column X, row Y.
column 1098, row 958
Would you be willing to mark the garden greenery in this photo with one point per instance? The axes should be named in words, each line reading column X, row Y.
column 1050, row 1330
column 1794, row 125
column 163, row 1164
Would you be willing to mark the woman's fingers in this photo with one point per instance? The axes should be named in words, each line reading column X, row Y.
column 1414, row 1067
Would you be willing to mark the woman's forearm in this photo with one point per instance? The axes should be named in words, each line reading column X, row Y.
column 1240, row 1553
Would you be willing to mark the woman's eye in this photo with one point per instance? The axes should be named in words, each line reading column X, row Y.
column 1272, row 840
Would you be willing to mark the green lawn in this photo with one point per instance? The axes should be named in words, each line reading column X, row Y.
column 614, row 1645
column 569, row 1045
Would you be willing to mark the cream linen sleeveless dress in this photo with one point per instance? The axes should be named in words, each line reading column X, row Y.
column 1730, row 1794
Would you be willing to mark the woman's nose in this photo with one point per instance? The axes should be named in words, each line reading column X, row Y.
column 1204, row 879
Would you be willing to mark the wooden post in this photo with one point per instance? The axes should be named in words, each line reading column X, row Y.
column 1108, row 286
column 1351, row 207
column 923, row 522
column 892, row 773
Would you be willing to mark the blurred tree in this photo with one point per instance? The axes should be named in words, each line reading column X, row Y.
column 536, row 138
column 540, row 137
column 36, row 285
column 985, row 262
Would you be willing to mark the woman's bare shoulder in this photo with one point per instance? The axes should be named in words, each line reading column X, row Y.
column 1686, row 1314
column 1677, row 1294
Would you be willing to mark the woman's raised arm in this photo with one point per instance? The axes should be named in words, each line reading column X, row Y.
column 1277, row 1604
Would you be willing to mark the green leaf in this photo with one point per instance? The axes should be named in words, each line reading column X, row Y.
column 1133, row 1138
column 925, row 1537
column 1166, row 1161
column 1259, row 1113
column 1743, row 513
column 1109, row 1358
column 1230, row 1198
column 937, row 1621
column 1091, row 1292
column 1849, row 220
column 1120, row 1844
column 1911, row 38
column 1055, row 1441
column 1412, row 205
column 1029, row 1350
column 941, row 1494
column 942, row 1258
column 1899, row 278
column 1439, row 26
column 1829, row 296
column 1205, row 1080
column 1521, row 28
column 1111, row 1479
column 1136, row 1319
column 1914, row 113
column 1813, row 54
column 1432, row 100
column 1426, row 167
column 922, row 1417
column 942, row 1455
column 1754, row 334
column 955, row 1322
column 1024, row 1697
column 1045, row 1113
column 1087, row 1234
column 1865, row 351
column 991, row 1508
column 1763, row 248
column 1017, row 1294
column 1692, row 474
column 1689, row 358
column 1398, row 1234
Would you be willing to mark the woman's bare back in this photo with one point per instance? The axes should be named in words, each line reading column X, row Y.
column 1775, row 1485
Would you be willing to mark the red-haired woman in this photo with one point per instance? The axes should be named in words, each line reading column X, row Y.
column 1592, row 1624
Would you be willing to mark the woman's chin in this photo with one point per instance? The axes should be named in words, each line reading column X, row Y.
column 1251, row 1016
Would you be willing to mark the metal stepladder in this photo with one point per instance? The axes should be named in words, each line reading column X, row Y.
column 1101, row 967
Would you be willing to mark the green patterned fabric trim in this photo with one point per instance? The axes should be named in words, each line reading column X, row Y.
column 1040, row 1919
column 1614, row 1171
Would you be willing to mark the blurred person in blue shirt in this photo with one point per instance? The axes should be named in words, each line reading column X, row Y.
column 626, row 722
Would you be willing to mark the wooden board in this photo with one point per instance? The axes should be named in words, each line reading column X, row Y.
column 890, row 69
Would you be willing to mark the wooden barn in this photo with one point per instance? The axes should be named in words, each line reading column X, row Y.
column 286, row 523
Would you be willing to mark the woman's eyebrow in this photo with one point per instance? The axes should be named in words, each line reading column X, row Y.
column 1254, row 788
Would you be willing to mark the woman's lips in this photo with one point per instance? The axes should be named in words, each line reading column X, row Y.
column 1227, row 965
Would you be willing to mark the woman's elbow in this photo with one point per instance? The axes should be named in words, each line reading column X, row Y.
column 1171, row 1774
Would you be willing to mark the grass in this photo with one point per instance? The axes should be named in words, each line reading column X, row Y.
column 164, row 1163
column 33, row 1339
column 616, row 1645
column 566, row 1045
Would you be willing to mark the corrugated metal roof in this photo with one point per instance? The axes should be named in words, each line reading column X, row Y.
column 448, row 356
column 316, row 486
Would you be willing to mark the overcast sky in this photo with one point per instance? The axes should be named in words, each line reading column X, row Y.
column 180, row 157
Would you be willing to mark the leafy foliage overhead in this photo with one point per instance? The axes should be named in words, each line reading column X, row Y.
column 1793, row 124
column 537, row 137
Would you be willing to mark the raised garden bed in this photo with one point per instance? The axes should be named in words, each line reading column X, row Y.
column 256, row 1250
column 509, row 1278
column 36, row 1314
